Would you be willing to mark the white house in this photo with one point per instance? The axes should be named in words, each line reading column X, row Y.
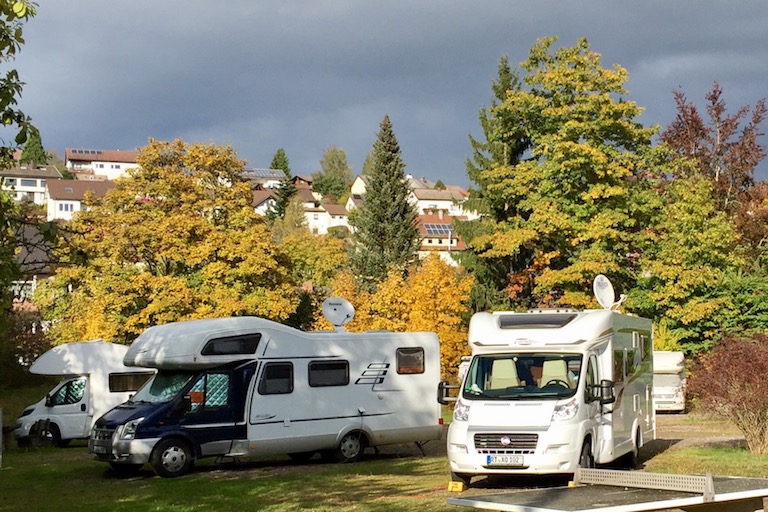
column 264, row 178
column 28, row 182
column 99, row 164
column 65, row 197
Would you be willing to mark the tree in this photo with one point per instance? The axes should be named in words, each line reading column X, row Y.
column 33, row 151
column 726, row 149
column 335, row 175
column 176, row 240
column 286, row 190
column 729, row 382
column 575, row 206
column 385, row 232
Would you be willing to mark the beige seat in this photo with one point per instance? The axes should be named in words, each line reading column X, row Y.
column 555, row 369
column 503, row 374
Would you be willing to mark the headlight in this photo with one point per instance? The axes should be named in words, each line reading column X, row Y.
column 461, row 411
column 565, row 411
column 129, row 429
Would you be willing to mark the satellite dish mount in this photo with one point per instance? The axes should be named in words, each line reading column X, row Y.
column 338, row 312
column 605, row 294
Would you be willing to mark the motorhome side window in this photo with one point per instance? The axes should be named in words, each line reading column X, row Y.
column 276, row 379
column 410, row 360
column 328, row 373
column 210, row 391
column 122, row 382
column 618, row 366
column 232, row 345
column 70, row 393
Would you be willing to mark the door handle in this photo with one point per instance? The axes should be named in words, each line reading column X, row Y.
column 82, row 407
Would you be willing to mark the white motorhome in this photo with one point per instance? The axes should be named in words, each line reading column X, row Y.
column 248, row 387
column 669, row 381
column 94, row 381
column 548, row 391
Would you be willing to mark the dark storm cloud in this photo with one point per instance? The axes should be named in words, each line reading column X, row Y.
column 305, row 75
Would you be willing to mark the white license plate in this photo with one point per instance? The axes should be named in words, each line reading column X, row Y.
column 505, row 460
column 100, row 449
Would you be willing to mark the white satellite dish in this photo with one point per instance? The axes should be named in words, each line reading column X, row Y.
column 338, row 312
column 604, row 292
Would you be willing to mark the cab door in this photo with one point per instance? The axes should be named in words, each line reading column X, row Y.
column 211, row 416
column 68, row 404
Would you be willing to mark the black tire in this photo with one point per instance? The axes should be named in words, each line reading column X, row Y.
column 350, row 448
column 172, row 458
column 633, row 457
column 301, row 456
column 125, row 469
column 586, row 459
column 461, row 477
column 52, row 435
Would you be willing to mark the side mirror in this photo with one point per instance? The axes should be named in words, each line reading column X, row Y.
column 607, row 395
column 48, row 401
column 442, row 392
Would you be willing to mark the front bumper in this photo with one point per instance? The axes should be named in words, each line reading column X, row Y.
column 104, row 447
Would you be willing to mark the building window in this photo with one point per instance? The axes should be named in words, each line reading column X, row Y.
column 99, row 166
column 66, row 207
column 28, row 183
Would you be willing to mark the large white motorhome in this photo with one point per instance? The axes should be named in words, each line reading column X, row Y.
column 249, row 387
column 548, row 391
column 94, row 381
column 669, row 381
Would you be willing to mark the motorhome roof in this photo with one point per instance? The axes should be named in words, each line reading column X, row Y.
column 81, row 358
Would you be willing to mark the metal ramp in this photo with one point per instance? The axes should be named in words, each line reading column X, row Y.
column 601, row 490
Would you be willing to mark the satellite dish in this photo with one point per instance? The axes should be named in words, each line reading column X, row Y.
column 338, row 312
column 604, row 291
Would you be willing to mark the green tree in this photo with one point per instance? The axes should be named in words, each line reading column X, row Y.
column 385, row 232
column 286, row 190
column 33, row 151
column 574, row 206
column 335, row 175
column 177, row 239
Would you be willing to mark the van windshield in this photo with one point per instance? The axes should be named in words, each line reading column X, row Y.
column 535, row 376
column 163, row 387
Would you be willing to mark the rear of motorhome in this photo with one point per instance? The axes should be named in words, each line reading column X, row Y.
column 94, row 380
column 548, row 391
column 669, row 381
column 250, row 387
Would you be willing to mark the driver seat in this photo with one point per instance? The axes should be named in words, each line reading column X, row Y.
column 503, row 374
column 555, row 369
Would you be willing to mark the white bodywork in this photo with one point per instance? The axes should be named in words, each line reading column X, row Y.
column 535, row 421
column 85, row 393
column 669, row 381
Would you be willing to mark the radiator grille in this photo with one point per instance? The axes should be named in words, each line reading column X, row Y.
column 508, row 444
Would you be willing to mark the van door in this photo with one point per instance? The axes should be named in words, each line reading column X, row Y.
column 211, row 418
column 69, row 405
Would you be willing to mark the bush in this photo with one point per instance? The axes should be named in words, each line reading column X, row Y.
column 730, row 382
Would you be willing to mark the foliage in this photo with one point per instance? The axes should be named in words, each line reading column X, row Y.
column 33, row 151
column 730, row 382
column 688, row 251
column 384, row 225
column 178, row 239
column 286, row 190
column 575, row 207
column 726, row 149
column 335, row 175
column 665, row 338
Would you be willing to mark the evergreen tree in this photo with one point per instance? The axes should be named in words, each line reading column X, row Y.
column 33, row 152
column 385, row 225
column 335, row 175
column 286, row 190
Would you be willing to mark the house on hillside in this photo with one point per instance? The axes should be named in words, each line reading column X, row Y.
column 263, row 200
column 439, row 236
column 65, row 197
column 99, row 164
column 27, row 182
column 264, row 178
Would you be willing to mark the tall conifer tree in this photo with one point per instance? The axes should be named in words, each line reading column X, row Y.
column 385, row 224
column 33, row 152
column 286, row 190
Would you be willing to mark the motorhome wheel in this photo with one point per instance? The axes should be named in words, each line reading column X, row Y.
column 350, row 448
column 586, row 460
column 172, row 458
column 633, row 457
column 461, row 477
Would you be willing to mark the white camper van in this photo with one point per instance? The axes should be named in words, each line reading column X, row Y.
column 548, row 391
column 246, row 387
column 95, row 380
column 669, row 381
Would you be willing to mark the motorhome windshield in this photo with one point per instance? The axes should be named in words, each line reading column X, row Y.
column 163, row 386
column 536, row 376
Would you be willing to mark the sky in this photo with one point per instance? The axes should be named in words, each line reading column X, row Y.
column 306, row 75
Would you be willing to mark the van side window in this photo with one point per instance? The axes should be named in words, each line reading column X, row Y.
column 210, row 391
column 328, row 373
column 232, row 345
column 276, row 379
column 121, row 382
column 70, row 393
column 618, row 366
column 410, row 360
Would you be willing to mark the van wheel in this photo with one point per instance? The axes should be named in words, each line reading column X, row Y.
column 350, row 448
column 172, row 458
column 586, row 460
column 461, row 477
column 50, row 434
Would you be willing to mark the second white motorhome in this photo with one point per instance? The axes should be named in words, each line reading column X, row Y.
column 247, row 386
column 669, row 381
column 548, row 391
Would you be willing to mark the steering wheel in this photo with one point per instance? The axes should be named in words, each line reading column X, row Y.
column 559, row 382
